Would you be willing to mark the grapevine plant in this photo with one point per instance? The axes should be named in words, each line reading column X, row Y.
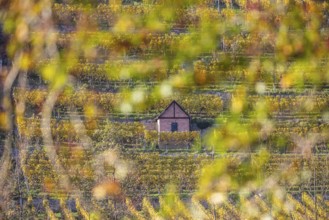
column 81, row 79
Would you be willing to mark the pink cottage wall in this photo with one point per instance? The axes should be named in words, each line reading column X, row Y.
column 164, row 124
column 169, row 112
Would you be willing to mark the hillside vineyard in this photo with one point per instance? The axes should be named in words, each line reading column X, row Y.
column 162, row 109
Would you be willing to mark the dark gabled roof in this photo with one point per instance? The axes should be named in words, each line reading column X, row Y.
column 173, row 103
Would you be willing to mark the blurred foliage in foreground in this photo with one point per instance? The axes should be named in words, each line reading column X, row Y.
column 266, row 63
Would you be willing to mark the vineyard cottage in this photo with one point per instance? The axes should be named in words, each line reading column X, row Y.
column 173, row 118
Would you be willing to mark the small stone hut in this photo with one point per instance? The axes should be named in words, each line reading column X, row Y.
column 173, row 119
